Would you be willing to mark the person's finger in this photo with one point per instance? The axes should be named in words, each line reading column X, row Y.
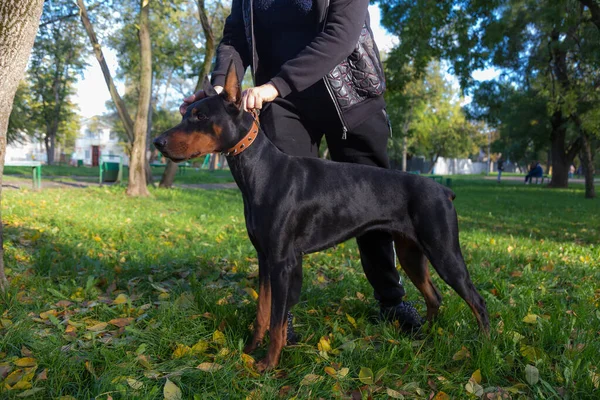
column 250, row 103
column 258, row 102
column 244, row 100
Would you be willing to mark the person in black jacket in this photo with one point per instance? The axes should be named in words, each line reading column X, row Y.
column 317, row 72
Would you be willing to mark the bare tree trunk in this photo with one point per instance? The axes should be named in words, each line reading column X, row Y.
column 404, row 153
column 19, row 22
column 137, row 163
column 170, row 172
column 168, row 176
column 562, row 158
column 588, row 166
column 114, row 94
column 149, row 177
column 209, row 44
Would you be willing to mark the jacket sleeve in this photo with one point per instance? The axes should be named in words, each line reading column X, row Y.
column 344, row 23
column 233, row 46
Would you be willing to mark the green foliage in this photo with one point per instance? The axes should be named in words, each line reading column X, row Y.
column 428, row 112
column 56, row 62
column 547, row 50
column 116, row 295
column 20, row 122
column 519, row 116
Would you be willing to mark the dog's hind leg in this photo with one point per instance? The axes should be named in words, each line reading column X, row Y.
column 263, row 314
column 447, row 259
column 286, row 281
column 415, row 264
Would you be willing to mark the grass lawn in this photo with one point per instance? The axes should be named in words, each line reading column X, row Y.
column 191, row 176
column 113, row 297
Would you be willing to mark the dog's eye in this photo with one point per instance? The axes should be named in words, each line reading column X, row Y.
column 198, row 115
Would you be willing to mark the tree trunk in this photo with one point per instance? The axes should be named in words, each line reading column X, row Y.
column 149, row 177
column 19, row 22
column 137, row 163
column 404, row 152
column 170, row 171
column 168, row 176
column 114, row 94
column 562, row 158
column 209, row 44
column 588, row 165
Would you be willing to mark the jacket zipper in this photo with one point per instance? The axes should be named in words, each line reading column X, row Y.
column 330, row 90
column 254, row 66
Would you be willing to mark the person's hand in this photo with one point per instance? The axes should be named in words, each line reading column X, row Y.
column 195, row 97
column 254, row 98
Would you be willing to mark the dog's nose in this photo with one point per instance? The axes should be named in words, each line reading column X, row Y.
column 160, row 142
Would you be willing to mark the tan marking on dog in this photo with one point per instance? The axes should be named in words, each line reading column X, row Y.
column 263, row 317
column 278, row 335
column 184, row 145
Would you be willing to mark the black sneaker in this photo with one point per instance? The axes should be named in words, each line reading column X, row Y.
column 292, row 336
column 405, row 313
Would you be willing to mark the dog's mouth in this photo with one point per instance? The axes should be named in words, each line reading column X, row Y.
column 181, row 159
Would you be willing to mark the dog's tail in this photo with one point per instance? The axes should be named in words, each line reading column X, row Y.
column 450, row 194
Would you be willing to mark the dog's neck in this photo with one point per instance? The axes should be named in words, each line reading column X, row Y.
column 246, row 141
column 252, row 167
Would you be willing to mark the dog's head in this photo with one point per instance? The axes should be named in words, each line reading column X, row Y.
column 209, row 125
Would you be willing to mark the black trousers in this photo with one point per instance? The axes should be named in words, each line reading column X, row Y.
column 297, row 124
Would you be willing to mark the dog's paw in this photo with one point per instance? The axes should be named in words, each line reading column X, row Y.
column 250, row 348
column 264, row 365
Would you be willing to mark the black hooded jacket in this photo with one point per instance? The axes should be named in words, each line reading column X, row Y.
column 343, row 53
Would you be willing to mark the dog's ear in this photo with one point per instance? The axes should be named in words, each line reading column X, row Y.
column 208, row 88
column 232, row 90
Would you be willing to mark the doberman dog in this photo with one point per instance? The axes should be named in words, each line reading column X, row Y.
column 296, row 205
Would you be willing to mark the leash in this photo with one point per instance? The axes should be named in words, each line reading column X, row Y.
column 246, row 140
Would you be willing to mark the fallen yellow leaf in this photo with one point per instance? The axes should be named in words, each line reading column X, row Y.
column 26, row 362
column 209, row 367
column 98, row 327
column 218, row 337
column 310, row 379
column 323, row 344
column 530, row 319
column 120, row 322
column 200, row 347
column 181, row 350
column 171, row 391
column 121, row 299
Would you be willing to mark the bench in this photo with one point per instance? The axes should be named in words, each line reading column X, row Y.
column 438, row 178
column 542, row 178
column 36, row 171
column 183, row 167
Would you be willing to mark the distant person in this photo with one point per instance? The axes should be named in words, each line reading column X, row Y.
column 572, row 170
column 536, row 171
column 500, row 168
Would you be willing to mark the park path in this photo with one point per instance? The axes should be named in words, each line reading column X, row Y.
column 69, row 183
column 522, row 178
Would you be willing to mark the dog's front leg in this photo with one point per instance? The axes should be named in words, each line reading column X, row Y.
column 280, row 289
column 263, row 314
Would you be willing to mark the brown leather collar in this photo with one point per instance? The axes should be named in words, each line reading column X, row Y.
column 246, row 140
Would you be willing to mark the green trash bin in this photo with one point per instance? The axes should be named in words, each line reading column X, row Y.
column 80, row 163
column 110, row 169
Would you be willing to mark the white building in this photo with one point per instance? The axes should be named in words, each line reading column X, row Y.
column 95, row 140
column 28, row 149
